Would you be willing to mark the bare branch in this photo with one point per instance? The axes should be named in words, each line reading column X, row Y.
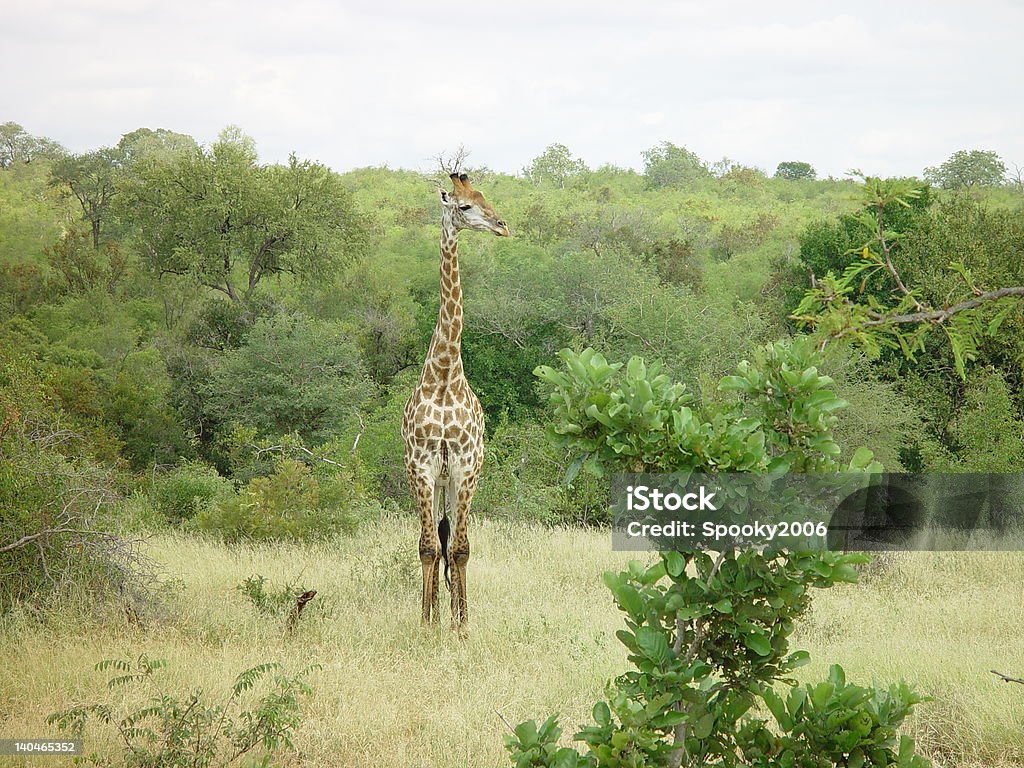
column 939, row 316
column 362, row 429
column 506, row 722
column 1007, row 678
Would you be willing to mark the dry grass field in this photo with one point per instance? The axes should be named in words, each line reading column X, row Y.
column 391, row 693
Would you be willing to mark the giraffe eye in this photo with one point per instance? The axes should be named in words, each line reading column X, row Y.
column 465, row 207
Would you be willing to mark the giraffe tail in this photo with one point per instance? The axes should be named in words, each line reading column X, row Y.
column 443, row 531
column 443, row 494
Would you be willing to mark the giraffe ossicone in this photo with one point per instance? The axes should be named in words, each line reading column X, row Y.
column 443, row 422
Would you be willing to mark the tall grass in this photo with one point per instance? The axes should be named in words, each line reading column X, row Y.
column 541, row 640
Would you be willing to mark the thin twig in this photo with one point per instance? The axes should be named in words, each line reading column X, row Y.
column 1006, row 678
column 362, row 429
column 506, row 722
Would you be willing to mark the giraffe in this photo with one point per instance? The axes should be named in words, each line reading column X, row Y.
column 443, row 423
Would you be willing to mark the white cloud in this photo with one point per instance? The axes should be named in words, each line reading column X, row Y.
column 891, row 88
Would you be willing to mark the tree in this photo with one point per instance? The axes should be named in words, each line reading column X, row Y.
column 896, row 313
column 17, row 145
column 92, row 179
column 555, row 166
column 292, row 374
column 667, row 165
column 145, row 142
column 795, row 170
column 219, row 217
column 708, row 636
column 84, row 268
column 976, row 168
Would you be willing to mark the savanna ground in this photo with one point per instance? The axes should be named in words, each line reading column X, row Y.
column 542, row 640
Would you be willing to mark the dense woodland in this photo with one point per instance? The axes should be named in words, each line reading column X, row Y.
column 192, row 337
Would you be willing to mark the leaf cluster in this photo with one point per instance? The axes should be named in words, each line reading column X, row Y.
column 193, row 730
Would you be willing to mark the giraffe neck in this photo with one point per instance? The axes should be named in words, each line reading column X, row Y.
column 444, row 358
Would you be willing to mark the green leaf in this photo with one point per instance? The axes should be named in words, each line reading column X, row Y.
column 675, row 563
column 733, row 384
column 703, row 726
column 798, row 659
column 653, row 644
column 861, row 458
column 723, row 606
column 574, row 469
column 821, row 693
column 630, row 601
column 526, row 732
column 777, row 707
column 758, row 643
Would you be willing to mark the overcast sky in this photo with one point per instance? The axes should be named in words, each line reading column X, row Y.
column 886, row 87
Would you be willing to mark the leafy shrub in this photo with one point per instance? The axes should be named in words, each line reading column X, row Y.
column 191, row 730
column 269, row 600
column 292, row 503
column 524, row 478
column 291, row 374
column 57, row 479
column 708, row 637
column 189, row 489
column 272, row 602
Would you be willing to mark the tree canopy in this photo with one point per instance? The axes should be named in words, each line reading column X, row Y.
column 554, row 166
column 226, row 221
column 968, row 169
column 795, row 169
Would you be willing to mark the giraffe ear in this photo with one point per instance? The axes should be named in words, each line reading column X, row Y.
column 443, row 195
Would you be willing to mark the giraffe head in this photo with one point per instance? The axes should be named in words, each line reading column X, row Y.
column 469, row 209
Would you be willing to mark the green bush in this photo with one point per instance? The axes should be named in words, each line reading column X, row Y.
column 189, row 489
column 708, row 638
column 525, row 478
column 191, row 730
column 290, row 504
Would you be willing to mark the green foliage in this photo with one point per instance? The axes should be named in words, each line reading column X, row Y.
column 292, row 374
column 532, row 746
column 92, row 180
column 708, row 637
column 226, row 221
column 19, row 146
column 378, row 440
column 33, row 215
column 675, row 263
column 161, row 143
column 835, row 723
column 188, row 489
column 900, row 318
column 192, row 729
column 968, row 169
column 291, row 504
column 523, row 479
column 987, row 434
column 555, row 166
column 271, row 601
column 792, row 170
column 82, row 267
column 638, row 419
column 667, row 165
column 58, row 473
